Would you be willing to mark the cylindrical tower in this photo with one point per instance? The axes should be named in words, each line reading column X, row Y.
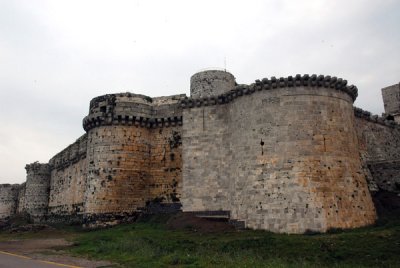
column 37, row 190
column 282, row 155
column 211, row 83
column 121, row 147
column 117, row 154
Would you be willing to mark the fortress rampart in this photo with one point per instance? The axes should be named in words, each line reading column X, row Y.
column 282, row 156
column 68, row 182
column 8, row 200
column 287, row 154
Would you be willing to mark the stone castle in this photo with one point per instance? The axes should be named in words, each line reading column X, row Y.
column 282, row 154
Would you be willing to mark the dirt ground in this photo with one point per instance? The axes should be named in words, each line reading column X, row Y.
column 49, row 250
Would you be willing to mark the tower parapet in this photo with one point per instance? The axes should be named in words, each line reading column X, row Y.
column 37, row 190
column 312, row 81
column 211, row 83
column 134, row 109
column 391, row 101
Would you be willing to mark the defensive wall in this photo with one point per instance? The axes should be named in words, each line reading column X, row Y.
column 285, row 154
column 8, row 200
column 282, row 155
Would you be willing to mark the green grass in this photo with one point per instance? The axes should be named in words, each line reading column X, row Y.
column 151, row 244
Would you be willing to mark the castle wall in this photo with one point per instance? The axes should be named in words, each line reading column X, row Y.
column 380, row 145
column 289, row 157
column 37, row 191
column 8, row 200
column 21, row 198
column 68, row 181
column 165, row 173
column 207, row 159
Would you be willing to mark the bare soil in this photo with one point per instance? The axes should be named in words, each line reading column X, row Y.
column 50, row 249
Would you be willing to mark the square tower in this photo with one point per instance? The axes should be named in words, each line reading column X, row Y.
column 391, row 101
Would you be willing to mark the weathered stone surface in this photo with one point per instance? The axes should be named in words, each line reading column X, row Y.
column 37, row 190
column 380, row 150
column 284, row 160
column 68, row 181
column 211, row 83
column 8, row 200
column 21, row 199
column 391, row 101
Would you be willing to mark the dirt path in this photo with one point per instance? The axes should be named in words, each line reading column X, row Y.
column 49, row 250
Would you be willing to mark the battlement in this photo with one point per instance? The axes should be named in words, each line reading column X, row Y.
column 391, row 101
column 306, row 80
column 360, row 113
column 37, row 168
column 134, row 109
column 70, row 155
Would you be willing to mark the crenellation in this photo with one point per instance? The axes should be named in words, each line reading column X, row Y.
column 382, row 120
column 133, row 109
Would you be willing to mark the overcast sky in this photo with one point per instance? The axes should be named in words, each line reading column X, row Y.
column 55, row 56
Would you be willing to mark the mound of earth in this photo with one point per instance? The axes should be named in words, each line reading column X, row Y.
column 189, row 221
column 387, row 203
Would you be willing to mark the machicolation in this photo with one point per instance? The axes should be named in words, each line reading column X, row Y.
column 289, row 154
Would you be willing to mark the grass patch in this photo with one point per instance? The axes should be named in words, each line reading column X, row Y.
column 149, row 243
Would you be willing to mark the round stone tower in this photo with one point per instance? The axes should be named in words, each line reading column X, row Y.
column 122, row 143
column 211, row 83
column 280, row 155
column 37, row 190
column 117, row 152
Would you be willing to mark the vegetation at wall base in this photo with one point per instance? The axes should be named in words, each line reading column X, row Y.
column 152, row 243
